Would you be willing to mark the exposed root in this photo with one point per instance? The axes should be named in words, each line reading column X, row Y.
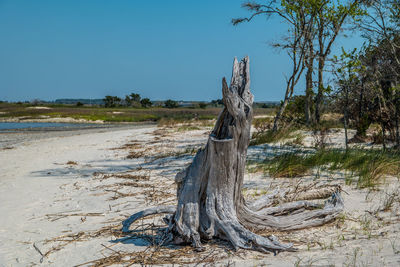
column 285, row 217
column 144, row 213
column 241, row 237
column 298, row 193
column 292, row 216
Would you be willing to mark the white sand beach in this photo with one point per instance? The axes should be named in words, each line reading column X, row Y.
column 63, row 199
column 36, row 180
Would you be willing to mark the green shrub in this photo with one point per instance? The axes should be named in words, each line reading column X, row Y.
column 171, row 104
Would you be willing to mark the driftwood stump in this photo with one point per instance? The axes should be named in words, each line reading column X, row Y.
column 210, row 201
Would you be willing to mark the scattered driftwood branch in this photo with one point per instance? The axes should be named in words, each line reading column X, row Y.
column 38, row 250
column 210, row 201
column 56, row 216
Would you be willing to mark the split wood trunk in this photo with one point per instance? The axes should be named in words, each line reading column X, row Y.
column 210, row 201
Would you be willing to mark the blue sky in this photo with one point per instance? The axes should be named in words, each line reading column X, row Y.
column 159, row 49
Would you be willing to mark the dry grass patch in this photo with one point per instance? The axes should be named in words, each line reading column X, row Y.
column 128, row 176
column 132, row 145
column 160, row 256
column 136, row 154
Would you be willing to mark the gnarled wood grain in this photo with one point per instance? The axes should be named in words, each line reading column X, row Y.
column 210, row 202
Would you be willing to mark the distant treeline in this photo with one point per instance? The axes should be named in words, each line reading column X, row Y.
column 135, row 100
column 84, row 101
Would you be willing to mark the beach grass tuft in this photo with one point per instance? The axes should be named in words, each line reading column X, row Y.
column 369, row 165
column 270, row 136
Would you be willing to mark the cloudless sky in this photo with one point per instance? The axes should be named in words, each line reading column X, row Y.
column 160, row 49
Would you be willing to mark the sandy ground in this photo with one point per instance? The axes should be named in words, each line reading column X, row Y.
column 12, row 138
column 35, row 180
column 63, row 198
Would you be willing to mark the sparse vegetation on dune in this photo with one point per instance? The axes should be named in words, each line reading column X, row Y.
column 368, row 166
column 290, row 130
column 270, row 136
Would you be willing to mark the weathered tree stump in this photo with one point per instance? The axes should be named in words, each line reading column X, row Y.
column 210, row 201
